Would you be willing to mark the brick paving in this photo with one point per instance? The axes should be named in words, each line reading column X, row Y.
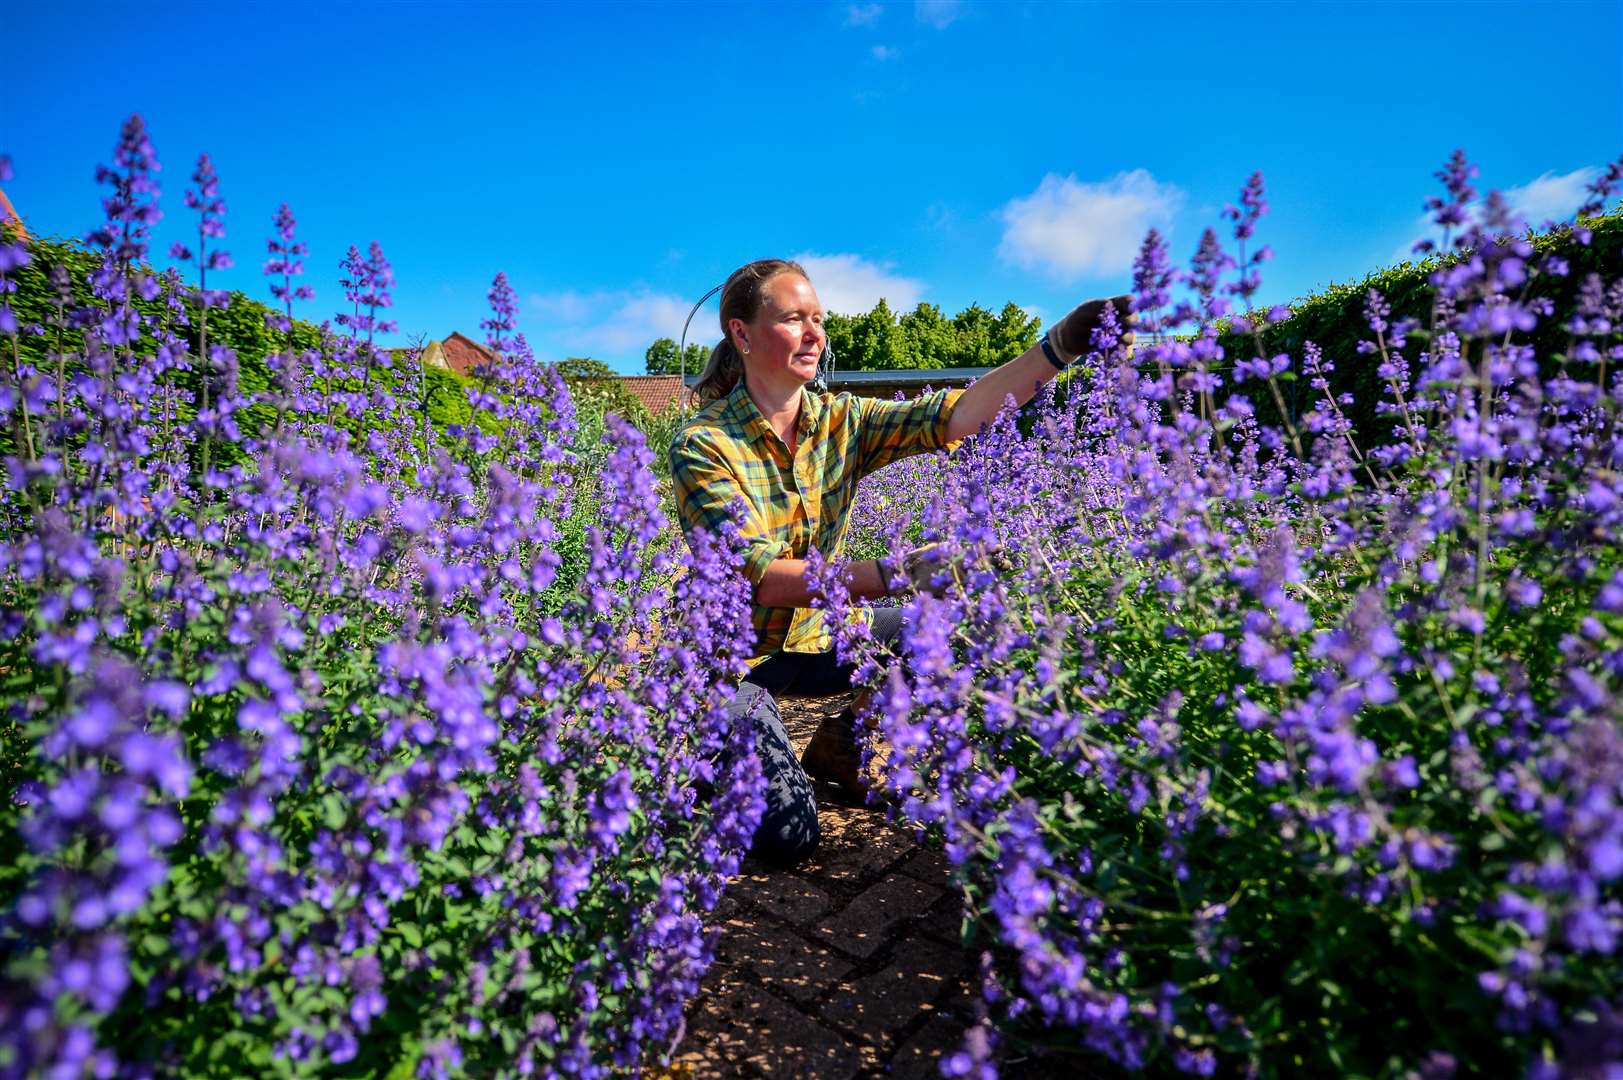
column 848, row 965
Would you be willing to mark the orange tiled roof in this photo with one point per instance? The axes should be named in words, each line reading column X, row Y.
column 463, row 354
column 657, row 392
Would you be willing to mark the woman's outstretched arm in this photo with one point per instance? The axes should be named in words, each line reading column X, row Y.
column 1019, row 378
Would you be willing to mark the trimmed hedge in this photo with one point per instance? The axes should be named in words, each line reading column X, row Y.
column 1334, row 320
column 241, row 325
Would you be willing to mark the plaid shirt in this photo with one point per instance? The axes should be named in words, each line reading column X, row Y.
column 792, row 503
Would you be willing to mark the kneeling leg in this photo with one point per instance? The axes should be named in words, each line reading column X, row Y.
column 788, row 831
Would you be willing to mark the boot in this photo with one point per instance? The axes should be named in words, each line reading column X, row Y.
column 834, row 756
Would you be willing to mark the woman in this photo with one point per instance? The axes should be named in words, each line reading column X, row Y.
column 784, row 463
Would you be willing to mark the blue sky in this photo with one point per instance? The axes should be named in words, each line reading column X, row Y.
column 617, row 160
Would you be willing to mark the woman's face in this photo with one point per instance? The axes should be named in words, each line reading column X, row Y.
column 786, row 338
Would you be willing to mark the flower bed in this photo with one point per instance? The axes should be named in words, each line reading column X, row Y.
column 314, row 762
column 1279, row 753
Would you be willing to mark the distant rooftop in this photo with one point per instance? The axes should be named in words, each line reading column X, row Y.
column 463, row 354
column 657, row 392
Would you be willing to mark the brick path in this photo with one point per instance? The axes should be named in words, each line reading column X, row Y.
column 847, row 965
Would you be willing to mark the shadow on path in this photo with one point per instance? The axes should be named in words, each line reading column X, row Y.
column 847, row 965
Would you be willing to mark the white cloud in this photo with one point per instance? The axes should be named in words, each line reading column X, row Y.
column 885, row 52
column 568, row 306
column 613, row 325
column 851, row 285
column 1551, row 196
column 1070, row 229
column 939, row 14
column 862, row 14
column 638, row 320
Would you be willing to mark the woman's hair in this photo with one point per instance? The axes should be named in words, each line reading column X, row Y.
column 741, row 298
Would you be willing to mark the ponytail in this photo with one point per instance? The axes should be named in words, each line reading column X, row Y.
column 722, row 373
column 741, row 299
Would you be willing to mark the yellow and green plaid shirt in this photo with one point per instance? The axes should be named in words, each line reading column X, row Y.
column 794, row 502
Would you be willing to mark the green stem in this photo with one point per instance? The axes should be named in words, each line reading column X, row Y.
column 22, row 398
column 203, row 348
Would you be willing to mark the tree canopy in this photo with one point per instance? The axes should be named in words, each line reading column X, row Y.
column 597, row 387
column 663, row 359
column 881, row 339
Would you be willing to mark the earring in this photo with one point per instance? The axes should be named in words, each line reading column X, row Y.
column 746, row 350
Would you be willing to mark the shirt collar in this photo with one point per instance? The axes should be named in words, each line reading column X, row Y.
column 810, row 409
column 743, row 414
column 747, row 418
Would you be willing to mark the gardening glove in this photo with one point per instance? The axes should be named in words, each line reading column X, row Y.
column 1073, row 335
column 920, row 566
column 935, row 568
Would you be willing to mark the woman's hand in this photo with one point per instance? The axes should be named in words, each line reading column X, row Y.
column 937, row 568
column 1019, row 378
column 921, row 565
column 1073, row 335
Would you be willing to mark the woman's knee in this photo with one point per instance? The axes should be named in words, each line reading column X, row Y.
column 789, row 832
column 887, row 624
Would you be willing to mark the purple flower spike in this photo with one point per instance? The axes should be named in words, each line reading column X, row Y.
column 286, row 260
column 132, row 207
column 503, row 310
column 323, row 704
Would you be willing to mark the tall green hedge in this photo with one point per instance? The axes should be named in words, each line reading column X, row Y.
column 241, row 326
column 1334, row 320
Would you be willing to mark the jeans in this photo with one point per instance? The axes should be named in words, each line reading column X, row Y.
column 788, row 831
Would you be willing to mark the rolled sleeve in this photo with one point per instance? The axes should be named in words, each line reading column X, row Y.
column 896, row 429
column 708, row 495
column 758, row 555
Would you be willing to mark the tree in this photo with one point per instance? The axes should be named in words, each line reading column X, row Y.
column 596, row 388
column 584, row 367
column 972, row 338
column 929, row 337
column 662, row 358
column 923, row 338
column 696, row 357
column 1014, row 332
column 877, row 341
column 841, row 331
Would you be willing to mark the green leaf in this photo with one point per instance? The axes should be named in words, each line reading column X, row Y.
column 334, row 812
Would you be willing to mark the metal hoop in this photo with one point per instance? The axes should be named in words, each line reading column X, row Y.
column 682, row 343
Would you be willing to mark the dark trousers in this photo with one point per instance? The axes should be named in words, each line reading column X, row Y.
column 788, row 831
